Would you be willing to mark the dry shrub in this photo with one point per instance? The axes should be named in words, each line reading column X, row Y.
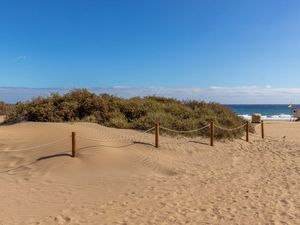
column 135, row 113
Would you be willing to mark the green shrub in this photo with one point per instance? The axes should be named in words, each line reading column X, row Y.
column 134, row 113
column 5, row 108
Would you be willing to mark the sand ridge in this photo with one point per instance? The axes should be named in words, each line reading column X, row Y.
column 2, row 118
column 120, row 178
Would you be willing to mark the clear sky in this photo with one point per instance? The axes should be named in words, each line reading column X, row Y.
column 155, row 43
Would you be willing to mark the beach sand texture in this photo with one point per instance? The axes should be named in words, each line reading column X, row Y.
column 113, row 181
column 2, row 118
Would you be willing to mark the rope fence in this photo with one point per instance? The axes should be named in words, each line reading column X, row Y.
column 230, row 129
column 156, row 129
column 74, row 149
column 184, row 131
column 37, row 147
column 212, row 130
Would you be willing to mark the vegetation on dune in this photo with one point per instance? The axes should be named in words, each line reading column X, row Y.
column 134, row 113
column 5, row 108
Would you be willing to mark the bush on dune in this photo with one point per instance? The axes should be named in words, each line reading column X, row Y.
column 5, row 108
column 134, row 113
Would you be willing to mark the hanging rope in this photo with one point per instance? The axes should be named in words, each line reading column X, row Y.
column 152, row 128
column 101, row 140
column 230, row 129
column 184, row 131
column 35, row 147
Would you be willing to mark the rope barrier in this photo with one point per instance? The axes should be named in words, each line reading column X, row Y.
column 94, row 139
column 108, row 146
column 144, row 132
column 100, row 140
column 230, row 129
column 199, row 129
column 35, row 147
column 212, row 125
column 91, row 139
column 187, row 131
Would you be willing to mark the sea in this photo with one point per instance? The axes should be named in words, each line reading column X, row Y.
column 268, row 111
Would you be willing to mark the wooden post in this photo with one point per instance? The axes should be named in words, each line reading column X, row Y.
column 157, row 135
column 212, row 132
column 247, row 131
column 73, row 144
column 262, row 130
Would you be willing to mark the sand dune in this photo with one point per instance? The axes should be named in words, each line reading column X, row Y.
column 120, row 178
column 2, row 118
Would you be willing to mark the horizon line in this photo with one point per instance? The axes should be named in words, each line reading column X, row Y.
column 242, row 95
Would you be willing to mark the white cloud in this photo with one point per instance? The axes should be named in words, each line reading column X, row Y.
column 20, row 58
column 227, row 95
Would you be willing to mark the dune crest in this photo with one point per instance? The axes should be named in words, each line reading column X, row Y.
column 119, row 177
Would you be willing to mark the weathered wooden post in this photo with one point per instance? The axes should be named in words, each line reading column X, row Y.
column 247, row 131
column 73, row 144
column 157, row 135
column 212, row 132
column 262, row 130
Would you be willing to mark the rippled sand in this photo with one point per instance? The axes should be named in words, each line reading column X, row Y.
column 120, row 178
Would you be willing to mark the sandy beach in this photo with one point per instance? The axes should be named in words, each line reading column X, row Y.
column 118, row 177
column 2, row 119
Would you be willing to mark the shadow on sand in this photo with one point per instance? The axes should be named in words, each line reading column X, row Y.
column 53, row 156
column 25, row 166
column 199, row 142
column 143, row 143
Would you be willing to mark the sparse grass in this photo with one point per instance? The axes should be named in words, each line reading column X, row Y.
column 134, row 113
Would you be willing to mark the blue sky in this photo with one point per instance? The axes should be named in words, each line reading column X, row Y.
column 152, row 44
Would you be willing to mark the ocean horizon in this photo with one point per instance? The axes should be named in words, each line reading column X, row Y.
column 268, row 111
